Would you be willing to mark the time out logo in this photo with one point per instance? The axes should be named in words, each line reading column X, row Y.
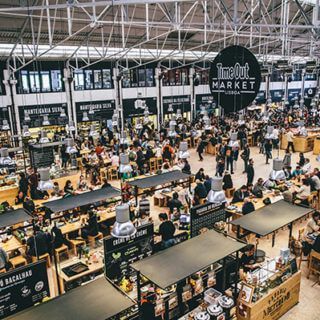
column 235, row 78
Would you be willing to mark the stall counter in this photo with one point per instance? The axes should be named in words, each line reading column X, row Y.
column 301, row 144
column 274, row 304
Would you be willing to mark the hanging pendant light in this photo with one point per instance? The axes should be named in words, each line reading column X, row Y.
column 216, row 194
column 125, row 166
column 71, row 126
column 45, row 121
column 26, row 116
column 70, row 149
column 5, row 125
column 179, row 114
column 277, row 172
column 146, row 116
column 85, row 117
column 123, row 227
column 45, row 183
column 296, row 105
column 205, row 116
column 63, row 113
column 172, row 131
column 173, row 121
column 233, row 140
column 25, row 131
column 183, row 150
column 5, row 159
column 44, row 137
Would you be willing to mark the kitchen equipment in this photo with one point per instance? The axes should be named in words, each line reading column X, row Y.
column 226, row 303
column 215, row 311
column 202, row 316
column 211, row 296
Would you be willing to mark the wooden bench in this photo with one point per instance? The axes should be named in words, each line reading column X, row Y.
column 45, row 256
column 62, row 250
column 18, row 261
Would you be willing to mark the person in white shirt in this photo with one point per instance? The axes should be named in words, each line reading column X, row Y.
column 313, row 227
column 307, row 166
column 275, row 137
column 290, row 136
column 303, row 192
column 115, row 160
column 316, row 181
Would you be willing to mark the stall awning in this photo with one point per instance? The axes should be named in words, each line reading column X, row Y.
column 159, row 179
column 179, row 262
column 271, row 218
column 83, row 199
column 13, row 217
column 98, row 300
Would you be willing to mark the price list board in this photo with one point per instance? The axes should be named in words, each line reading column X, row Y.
column 41, row 157
column 205, row 216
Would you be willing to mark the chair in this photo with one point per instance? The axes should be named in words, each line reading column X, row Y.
column 250, row 141
column 112, row 173
column 159, row 163
column 202, row 201
column 18, row 261
column 46, row 257
column 189, row 142
column 153, row 164
column 75, row 243
column 159, row 200
column 92, row 239
column 62, row 250
column 229, row 192
column 313, row 263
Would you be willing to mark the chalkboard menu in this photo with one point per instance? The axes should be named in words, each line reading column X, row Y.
column 23, row 287
column 205, row 216
column 41, row 157
column 120, row 252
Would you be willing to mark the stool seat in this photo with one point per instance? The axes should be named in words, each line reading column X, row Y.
column 18, row 261
column 75, row 243
column 60, row 250
column 229, row 192
column 93, row 239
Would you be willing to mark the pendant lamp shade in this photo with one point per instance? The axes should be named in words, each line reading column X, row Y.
column 45, row 183
column 123, row 227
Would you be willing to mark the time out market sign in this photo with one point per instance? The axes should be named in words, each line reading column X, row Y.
column 235, row 78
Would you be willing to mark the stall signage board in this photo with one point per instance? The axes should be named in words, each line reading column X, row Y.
column 41, row 157
column 103, row 110
column 177, row 102
column 235, row 78
column 23, row 287
column 119, row 253
column 205, row 216
column 133, row 109
column 36, row 112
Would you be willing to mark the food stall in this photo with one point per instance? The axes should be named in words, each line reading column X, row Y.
column 161, row 181
column 183, row 284
column 300, row 143
column 98, row 300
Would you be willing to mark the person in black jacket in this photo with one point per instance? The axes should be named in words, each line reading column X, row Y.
column 247, row 207
column 200, row 148
column 268, row 150
column 200, row 192
column 39, row 244
column 175, row 203
column 186, row 168
column 227, row 181
column 250, row 172
column 166, row 231
column 200, row 175
column 91, row 228
column 245, row 156
column 23, row 184
column 240, row 194
column 58, row 238
column 207, row 183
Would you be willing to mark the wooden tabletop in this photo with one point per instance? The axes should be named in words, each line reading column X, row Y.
column 12, row 244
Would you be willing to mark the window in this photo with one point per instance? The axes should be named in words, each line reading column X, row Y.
column 126, row 80
column 45, row 81
column 25, row 82
column 134, row 80
column 142, row 77
column 106, row 79
column 149, row 77
column 78, row 80
column 88, row 79
column 56, row 82
column 34, row 81
column 97, row 79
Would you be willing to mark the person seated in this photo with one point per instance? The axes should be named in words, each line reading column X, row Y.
column 303, row 192
column 315, row 181
column 58, row 238
column 287, row 172
column 227, row 181
column 186, row 167
column 297, row 172
column 19, row 198
column 302, row 159
column 248, row 259
column 91, row 227
column 29, row 205
column 39, row 244
column 240, row 194
column 68, row 189
column 247, row 206
column 313, row 226
column 166, row 231
column 105, row 183
column 200, row 175
column 82, row 184
column 258, row 188
column 306, row 168
column 175, row 203
column 200, row 191
column 207, row 183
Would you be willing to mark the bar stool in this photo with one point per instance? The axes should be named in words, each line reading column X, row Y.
column 153, row 164
column 112, row 173
column 229, row 192
column 159, row 163
column 18, row 261
column 62, row 250
column 75, row 243
column 46, row 257
column 93, row 239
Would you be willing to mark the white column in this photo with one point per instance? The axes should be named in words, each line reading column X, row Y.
column 192, row 94
column 71, row 106
column 157, row 73
column 303, row 79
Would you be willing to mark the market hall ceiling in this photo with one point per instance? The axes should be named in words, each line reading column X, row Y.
column 277, row 27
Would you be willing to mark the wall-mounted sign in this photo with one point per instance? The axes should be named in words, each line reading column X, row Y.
column 177, row 102
column 203, row 100
column 235, row 78
column 36, row 114
column 205, row 216
column 23, row 287
column 119, row 253
column 103, row 110
column 132, row 109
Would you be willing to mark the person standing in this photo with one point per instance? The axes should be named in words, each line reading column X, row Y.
column 245, row 155
column 200, row 148
column 268, row 150
column 250, row 172
column 290, row 136
column 229, row 158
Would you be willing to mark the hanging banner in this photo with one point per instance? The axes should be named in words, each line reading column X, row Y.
column 119, row 253
column 235, row 78
column 102, row 110
column 176, row 102
column 36, row 114
column 23, row 287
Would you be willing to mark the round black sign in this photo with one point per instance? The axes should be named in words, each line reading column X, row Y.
column 235, row 78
